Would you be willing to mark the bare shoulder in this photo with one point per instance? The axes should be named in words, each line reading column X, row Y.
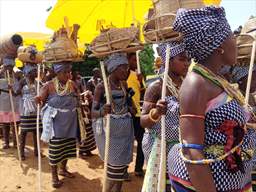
column 153, row 92
column 195, row 93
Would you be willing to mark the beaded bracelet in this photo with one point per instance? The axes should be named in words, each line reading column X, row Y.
column 151, row 116
column 192, row 146
column 209, row 161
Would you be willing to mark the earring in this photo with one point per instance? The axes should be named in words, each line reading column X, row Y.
column 222, row 51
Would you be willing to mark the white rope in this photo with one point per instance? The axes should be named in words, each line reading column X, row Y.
column 14, row 118
column 249, row 81
column 162, row 171
column 107, row 128
column 38, row 133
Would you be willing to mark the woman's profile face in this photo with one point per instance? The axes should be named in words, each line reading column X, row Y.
column 179, row 64
column 230, row 51
column 122, row 72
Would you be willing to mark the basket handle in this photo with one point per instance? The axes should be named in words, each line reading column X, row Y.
column 247, row 35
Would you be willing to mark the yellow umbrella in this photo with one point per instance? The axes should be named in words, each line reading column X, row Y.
column 93, row 15
column 34, row 38
column 212, row 2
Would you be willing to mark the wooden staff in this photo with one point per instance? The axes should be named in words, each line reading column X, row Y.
column 138, row 61
column 38, row 132
column 162, row 172
column 14, row 118
column 249, row 81
column 107, row 136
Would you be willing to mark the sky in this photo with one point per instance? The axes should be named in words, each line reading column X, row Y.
column 30, row 15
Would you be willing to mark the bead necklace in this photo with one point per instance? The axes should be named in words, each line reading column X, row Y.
column 60, row 89
column 112, row 100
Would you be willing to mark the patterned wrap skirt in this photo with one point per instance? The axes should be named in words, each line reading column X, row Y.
column 120, row 146
column 28, row 123
column 116, row 172
column 89, row 144
column 61, row 149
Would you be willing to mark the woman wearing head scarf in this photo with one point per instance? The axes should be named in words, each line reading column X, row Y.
column 60, row 121
column 28, row 110
column 154, row 107
column 121, row 129
column 215, row 150
column 6, row 115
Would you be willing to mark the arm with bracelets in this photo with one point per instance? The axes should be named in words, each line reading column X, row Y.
column 153, row 107
column 194, row 96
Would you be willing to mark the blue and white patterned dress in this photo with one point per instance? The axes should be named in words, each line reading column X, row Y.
column 226, row 180
column 121, row 135
column 172, row 128
column 151, row 144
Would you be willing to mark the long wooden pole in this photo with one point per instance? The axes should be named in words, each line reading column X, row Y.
column 38, row 133
column 107, row 127
column 14, row 118
column 138, row 61
column 249, row 81
column 162, row 171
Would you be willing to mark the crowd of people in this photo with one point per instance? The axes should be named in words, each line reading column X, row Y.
column 60, row 96
column 209, row 144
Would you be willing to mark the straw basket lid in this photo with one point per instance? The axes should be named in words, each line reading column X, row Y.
column 159, row 28
column 244, row 48
column 245, row 42
column 29, row 54
column 62, row 48
column 116, row 40
column 250, row 26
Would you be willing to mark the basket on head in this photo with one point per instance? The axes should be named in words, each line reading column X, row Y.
column 159, row 28
column 245, row 42
column 116, row 40
column 250, row 26
column 62, row 48
column 29, row 55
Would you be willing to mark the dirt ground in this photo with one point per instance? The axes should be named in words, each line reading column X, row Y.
column 14, row 178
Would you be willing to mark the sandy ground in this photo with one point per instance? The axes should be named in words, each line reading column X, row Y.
column 14, row 178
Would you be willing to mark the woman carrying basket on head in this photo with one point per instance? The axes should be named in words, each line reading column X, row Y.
column 153, row 108
column 60, row 121
column 121, row 129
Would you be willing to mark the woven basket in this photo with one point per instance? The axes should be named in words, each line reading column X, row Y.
column 29, row 55
column 171, row 6
column 9, row 45
column 116, row 40
column 159, row 27
column 62, row 49
column 250, row 26
column 244, row 47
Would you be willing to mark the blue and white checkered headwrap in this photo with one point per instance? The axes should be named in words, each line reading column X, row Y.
column 60, row 67
column 204, row 30
column 240, row 72
column 175, row 49
column 28, row 68
column 115, row 60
